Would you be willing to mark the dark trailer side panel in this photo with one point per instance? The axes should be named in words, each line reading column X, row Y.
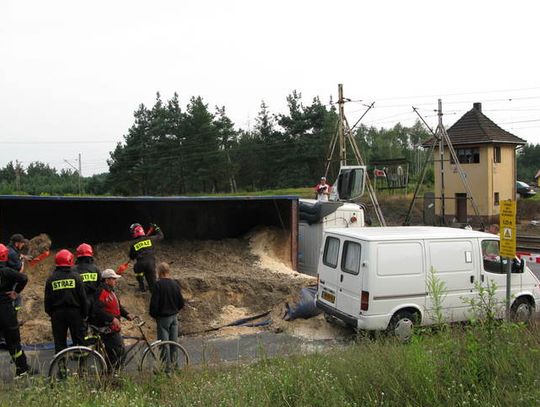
column 72, row 220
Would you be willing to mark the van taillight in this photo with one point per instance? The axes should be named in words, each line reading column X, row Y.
column 364, row 301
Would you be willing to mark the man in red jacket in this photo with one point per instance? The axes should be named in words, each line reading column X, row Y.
column 106, row 315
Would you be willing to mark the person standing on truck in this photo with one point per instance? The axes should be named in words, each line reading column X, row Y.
column 106, row 317
column 322, row 190
column 88, row 271
column 143, row 252
column 165, row 303
column 9, row 325
column 65, row 302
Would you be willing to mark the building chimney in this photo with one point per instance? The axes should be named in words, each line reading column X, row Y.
column 477, row 106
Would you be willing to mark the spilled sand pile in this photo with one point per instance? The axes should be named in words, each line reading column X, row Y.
column 222, row 281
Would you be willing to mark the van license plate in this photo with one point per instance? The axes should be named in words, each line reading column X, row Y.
column 325, row 295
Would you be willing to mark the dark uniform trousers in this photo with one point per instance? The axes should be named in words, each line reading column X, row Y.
column 146, row 266
column 10, row 327
column 64, row 319
column 116, row 352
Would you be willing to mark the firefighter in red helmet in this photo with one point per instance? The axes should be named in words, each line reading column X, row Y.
column 88, row 270
column 9, row 325
column 143, row 252
column 65, row 302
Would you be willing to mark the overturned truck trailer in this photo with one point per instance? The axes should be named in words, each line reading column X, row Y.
column 72, row 220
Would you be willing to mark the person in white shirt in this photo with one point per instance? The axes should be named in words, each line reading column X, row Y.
column 322, row 190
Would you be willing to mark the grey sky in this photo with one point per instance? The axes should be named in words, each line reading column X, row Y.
column 72, row 73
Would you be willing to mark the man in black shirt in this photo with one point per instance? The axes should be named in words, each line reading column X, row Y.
column 65, row 302
column 9, row 325
column 165, row 303
column 143, row 252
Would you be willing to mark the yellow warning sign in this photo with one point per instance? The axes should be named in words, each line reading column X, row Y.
column 507, row 221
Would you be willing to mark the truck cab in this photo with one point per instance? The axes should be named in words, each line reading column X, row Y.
column 339, row 212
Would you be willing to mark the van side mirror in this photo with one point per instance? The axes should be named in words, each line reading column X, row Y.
column 518, row 266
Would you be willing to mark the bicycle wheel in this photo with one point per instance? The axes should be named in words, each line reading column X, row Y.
column 164, row 356
column 79, row 362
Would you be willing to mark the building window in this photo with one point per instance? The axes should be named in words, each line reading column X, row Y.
column 468, row 155
column 496, row 199
column 497, row 154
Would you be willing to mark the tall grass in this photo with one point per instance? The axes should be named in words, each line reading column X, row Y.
column 460, row 366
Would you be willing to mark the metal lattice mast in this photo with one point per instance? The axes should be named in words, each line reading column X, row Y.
column 462, row 175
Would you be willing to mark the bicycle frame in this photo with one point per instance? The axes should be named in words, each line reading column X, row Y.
column 130, row 353
column 138, row 340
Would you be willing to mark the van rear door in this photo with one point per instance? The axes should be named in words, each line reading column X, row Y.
column 328, row 270
column 350, row 278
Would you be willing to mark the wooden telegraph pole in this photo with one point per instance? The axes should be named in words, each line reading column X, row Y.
column 440, row 127
column 341, row 128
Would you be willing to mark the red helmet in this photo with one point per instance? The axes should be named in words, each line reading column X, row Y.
column 64, row 258
column 84, row 250
column 3, row 252
column 136, row 230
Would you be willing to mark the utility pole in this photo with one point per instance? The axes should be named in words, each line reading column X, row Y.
column 80, row 175
column 341, row 128
column 17, row 175
column 439, row 130
column 78, row 170
column 441, row 136
column 343, row 135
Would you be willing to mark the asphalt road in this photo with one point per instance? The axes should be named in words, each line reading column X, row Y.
column 204, row 350
column 535, row 268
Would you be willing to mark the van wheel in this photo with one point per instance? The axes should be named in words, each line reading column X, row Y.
column 521, row 311
column 402, row 324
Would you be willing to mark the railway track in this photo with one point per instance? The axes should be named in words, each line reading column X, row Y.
column 528, row 243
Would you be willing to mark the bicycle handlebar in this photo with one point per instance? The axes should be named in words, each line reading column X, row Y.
column 138, row 321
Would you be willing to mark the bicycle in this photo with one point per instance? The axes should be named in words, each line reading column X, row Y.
column 90, row 361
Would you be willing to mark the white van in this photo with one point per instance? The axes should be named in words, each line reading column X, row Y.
column 377, row 278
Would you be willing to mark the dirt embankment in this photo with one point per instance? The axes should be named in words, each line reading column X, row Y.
column 221, row 280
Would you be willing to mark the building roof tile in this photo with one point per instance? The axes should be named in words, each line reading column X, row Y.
column 474, row 127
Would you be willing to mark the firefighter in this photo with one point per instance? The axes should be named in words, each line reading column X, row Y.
column 65, row 302
column 9, row 325
column 88, row 270
column 142, row 251
column 106, row 315
column 16, row 245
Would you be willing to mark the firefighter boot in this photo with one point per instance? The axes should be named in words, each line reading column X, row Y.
column 140, row 280
column 21, row 365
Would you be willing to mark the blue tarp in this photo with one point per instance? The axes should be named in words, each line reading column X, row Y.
column 305, row 308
